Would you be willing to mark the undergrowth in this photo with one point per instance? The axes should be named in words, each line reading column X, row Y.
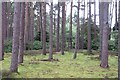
column 85, row 66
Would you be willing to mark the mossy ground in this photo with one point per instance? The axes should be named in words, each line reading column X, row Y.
column 84, row 66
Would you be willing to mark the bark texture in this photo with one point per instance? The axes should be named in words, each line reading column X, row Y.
column 4, row 27
column 51, row 33
column 104, row 56
column 1, row 35
column 26, row 25
column 119, row 44
column 32, row 25
column 95, row 33
column 77, row 32
column 21, row 38
column 63, row 29
column 58, row 29
column 70, row 30
column 41, row 21
column 44, row 29
column 15, row 45
column 89, row 30
column 83, row 28
column 101, row 25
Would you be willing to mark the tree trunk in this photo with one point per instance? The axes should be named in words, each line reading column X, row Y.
column 54, row 24
column 29, row 26
column 41, row 21
column 58, row 28
column 21, row 38
column 26, row 26
column 77, row 32
column 83, row 29
column 115, row 14
column 1, row 34
column 32, row 25
column 119, row 44
column 4, row 26
column 4, row 9
column 104, row 57
column 70, row 31
column 15, row 46
column 63, row 29
column 89, row 30
column 44, row 29
column 8, row 19
column 101, row 26
column 51, row 33
column 95, row 33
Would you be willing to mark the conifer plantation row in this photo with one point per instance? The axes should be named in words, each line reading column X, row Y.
column 50, row 29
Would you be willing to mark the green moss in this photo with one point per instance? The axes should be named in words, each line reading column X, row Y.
column 85, row 66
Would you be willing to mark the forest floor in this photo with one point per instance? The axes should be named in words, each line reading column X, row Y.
column 84, row 66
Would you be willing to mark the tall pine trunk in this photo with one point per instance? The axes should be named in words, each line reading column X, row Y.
column 63, row 29
column 101, row 26
column 41, row 21
column 26, row 26
column 1, row 35
column 51, row 33
column 83, row 27
column 77, row 32
column 115, row 14
column 58, row 28
column 4, row 26
column 15, row 43
column 95, row 33
column 44, row 29
column 32, row 25
column 21, row 38
column 4, row 9
column 54, row 24
column 8, row 20
column 70, row 30
column 89, row 30
column 119, row 44
column 104, row 56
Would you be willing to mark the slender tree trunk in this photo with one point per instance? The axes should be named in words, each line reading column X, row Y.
column 116, row 15
column 41, row 21
column 89, row 30
column 15, row 46
column 44, row 29
column 5, row 19
column 21, row 38
column 70, row 31
column 104, row 57
column 83, row 29
column 32, row 25
column 101, row 25
column 119, row 44
column 78, row 24
column 4, row 26
column 54, row 24
column 77, row 32
column 26, row 26
column 8, row 19
column 95, row 33
column 63, row 29
column 29, row 26
column 58, row 28
column 51, row 33
column 38, row 24
column 1, row 34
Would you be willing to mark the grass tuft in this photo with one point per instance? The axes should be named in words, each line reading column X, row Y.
column 84, row 66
